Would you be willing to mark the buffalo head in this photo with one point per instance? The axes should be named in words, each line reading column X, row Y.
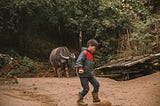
column 70, row 59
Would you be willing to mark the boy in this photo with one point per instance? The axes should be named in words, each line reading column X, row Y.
column 85, row 72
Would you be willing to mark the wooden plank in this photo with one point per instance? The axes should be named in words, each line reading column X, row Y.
column 136, row 60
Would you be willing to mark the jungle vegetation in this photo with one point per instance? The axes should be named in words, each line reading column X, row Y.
column 123, row 27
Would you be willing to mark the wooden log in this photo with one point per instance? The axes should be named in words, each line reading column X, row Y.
column 137, row 61
column 152, row 58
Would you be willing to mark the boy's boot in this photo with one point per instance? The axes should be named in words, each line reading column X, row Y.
column 80, row 100
column 95, row 97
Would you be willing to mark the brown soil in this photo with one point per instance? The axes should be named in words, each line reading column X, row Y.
column 144, row 91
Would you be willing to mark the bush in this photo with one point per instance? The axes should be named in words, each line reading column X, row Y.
column 20, row 66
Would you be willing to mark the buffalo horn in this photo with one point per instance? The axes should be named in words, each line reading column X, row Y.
column 65, row 57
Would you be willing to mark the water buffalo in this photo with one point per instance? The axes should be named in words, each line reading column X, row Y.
column 62, row 59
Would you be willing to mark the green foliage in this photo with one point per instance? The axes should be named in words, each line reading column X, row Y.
column 25, row 65
column 20, row 15
column 1, row 74
column 19, row 67
column 13, row 53
column 27, row 62
column 146, row 35
column 105, row 20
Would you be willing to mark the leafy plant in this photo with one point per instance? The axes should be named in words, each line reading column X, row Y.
column 28, row 63
column 24, row 22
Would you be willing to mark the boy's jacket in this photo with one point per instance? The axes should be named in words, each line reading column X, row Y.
column 85, row 61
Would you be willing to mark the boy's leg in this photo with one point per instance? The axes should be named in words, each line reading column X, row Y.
column 96, row 85
column 85, row 85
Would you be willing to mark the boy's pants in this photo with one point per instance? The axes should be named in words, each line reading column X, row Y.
column 85, row 84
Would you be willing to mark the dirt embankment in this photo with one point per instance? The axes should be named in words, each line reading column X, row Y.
column 144, row 91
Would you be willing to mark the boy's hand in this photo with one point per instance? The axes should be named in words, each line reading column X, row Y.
column 80, row 71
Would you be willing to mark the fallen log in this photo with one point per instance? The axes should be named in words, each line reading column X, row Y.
column 132, row 65
column 153, row 58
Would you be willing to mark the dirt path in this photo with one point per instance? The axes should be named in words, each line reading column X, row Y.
column 144, row 91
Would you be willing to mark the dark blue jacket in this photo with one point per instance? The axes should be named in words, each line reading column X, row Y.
column 85, row 61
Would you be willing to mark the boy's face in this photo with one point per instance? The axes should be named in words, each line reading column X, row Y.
column 92, row 48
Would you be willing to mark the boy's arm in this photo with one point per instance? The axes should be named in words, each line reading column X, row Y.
column 80, row 61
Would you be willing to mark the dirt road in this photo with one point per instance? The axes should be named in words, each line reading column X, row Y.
column 144, row 91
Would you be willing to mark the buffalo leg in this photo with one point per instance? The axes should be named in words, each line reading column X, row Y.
column 67, row 74
column 76, row 71
column 60, row 71
column 54, row 71
column 59, row 74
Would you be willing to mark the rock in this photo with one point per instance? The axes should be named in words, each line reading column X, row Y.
column 103, row 102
